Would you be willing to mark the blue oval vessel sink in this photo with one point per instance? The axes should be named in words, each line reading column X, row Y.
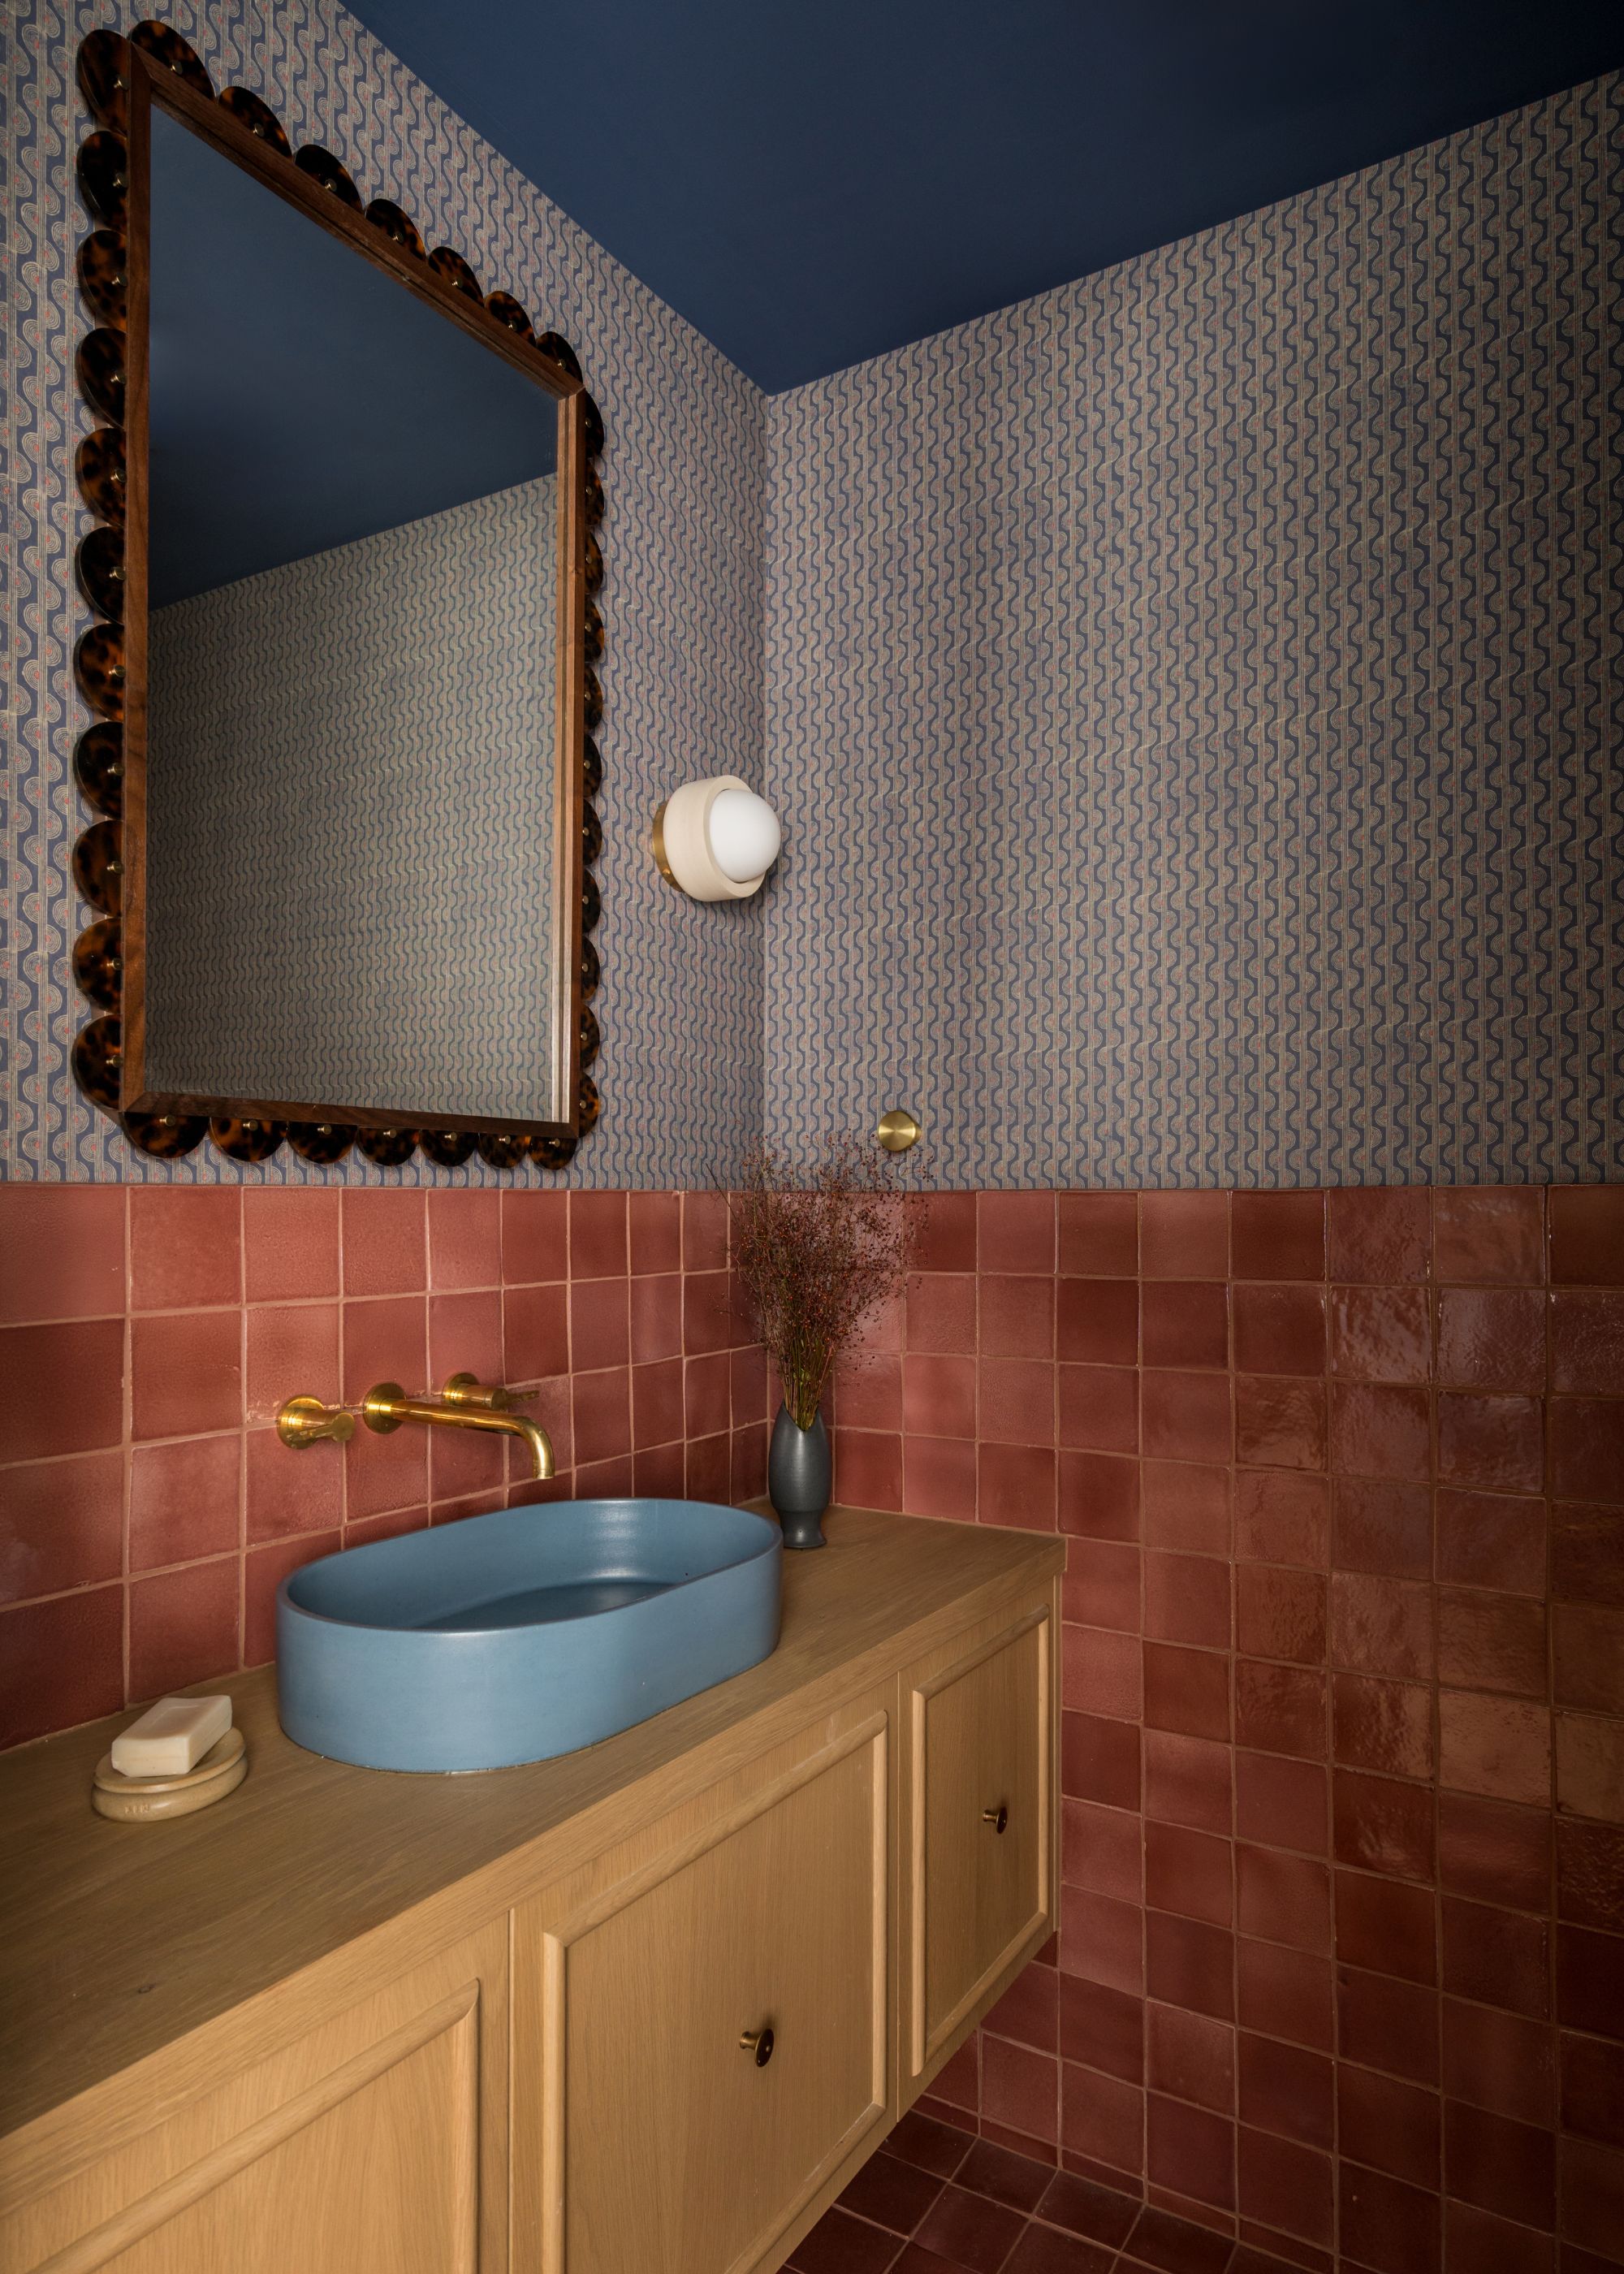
column 514, row 1636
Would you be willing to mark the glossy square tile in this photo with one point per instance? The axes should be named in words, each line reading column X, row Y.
column 938, row 1477
column 1488, row 1234
column 1491, row 1338
column 1386, row 1926
column 1500, row 2061
column 1381, row 1626
column 1494, row 1642
column 1492, row 1445
column 1190, row 1963
column 1103, row 2118
column 1381, row 1430
column 1500, row 1747
column 61, row 1389
column 1190, row 1873
column 1381, row 1237
column 1382, row 1824
column 1381, row 1334
column 939, row 1311
column 1496, row 1852
column 597, row 1235
column 1281, row 1614
column 1287, row 2188
column 1280, row 1422
column 284, row 1493
column 1587, row 1236
column 1281, row 1709
column 1385, row 1727
column 1587, row 1449
column 1016, row 1484
column 1186, row 1691
column 1193, row 2150
column 1100, row 1760
column 868, row 1474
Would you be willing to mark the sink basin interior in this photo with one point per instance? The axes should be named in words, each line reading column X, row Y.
column 530, row 1566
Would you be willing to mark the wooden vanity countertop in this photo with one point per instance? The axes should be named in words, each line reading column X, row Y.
column 116, row 1940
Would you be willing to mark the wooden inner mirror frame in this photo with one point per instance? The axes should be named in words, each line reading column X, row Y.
column 120, row 79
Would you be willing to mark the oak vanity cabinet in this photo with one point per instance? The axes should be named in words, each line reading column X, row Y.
column 701, row 2017
column 643, row 2009
column 979, row 1800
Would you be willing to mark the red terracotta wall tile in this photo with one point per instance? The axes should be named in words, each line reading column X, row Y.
column 63, row 1250
column 1191, row 2057
column 1098, row 1235
column 1382, row 1527
column 185, row 1247
column 385, row 1242
column 1280, row 1422
column 1381, row 1334
column 182, row 1627
column 1587, row 1236
column 1183, row 1235
column 61, row 1661
column 61, row 1389
column 1015, row 1231
column 1278, row 1235
column 1383, row 1237
column 1485, row 1541
column 1491, row 1338
column 1281, row 1517
column 62, row 1526
column 1488, row 1234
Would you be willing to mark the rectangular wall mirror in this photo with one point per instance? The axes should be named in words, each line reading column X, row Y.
column 353, row 652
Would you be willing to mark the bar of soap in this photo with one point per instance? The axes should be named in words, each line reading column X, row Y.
column 172, row 1736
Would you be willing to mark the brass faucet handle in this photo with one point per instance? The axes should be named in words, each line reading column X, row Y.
column 302, row 1422
column 488, row 1397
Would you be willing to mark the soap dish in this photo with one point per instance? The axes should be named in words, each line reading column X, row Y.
column 142, row 1800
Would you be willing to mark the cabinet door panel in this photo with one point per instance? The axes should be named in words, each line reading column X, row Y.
column 666, row 2143
column 355, row 2149
column 980, row 1823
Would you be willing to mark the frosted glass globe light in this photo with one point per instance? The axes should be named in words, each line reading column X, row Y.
column 744, row 834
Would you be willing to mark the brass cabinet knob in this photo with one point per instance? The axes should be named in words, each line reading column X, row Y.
column 998, row 1817
column 758, row 2041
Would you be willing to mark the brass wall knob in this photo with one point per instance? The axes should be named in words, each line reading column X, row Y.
column 758, row 2041
column 998, row 1817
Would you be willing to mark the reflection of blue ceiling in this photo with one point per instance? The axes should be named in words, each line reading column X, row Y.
column 811, row 182
column 300, row 397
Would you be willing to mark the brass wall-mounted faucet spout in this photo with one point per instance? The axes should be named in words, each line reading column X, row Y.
column 465, row 1404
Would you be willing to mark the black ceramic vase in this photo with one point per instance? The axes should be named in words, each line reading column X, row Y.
column 798, row 1478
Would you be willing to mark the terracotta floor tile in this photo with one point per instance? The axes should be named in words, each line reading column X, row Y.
column 891, row 2193
column 840, row 2244
column 1046, row 2250
column 1088, row 2210
column 970, row 2232
column 933, row 2147
column 1005, row 2177
column 1173, row 2246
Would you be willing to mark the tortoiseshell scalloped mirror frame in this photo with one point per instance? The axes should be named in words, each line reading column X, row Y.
column 119, row 79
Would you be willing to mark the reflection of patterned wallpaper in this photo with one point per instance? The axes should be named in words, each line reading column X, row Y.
column 1189, row 700
column 680, row 1005
column 349, row 752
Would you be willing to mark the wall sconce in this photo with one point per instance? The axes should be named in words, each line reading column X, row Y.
column 716, row 840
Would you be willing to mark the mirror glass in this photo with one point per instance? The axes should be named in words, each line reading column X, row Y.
column 354, row 533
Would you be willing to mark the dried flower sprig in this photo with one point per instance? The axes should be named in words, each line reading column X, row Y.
column 818, row 1245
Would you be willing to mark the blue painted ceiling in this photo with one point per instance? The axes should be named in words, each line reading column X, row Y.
column 811, row 182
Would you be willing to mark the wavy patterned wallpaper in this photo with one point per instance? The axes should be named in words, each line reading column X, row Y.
column 682, row 541
column 1194, row 700
column 396, row 695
